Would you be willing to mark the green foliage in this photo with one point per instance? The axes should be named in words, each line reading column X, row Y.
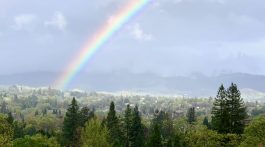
column 199, row 136
column 167, row 130
column 6, row 132
column 85, row 115
column 18, row 129
column 191, row 115
column 128, row 125
column 155, row 139
column 181, row 128
column 36, row 141
column 220, row 112
column 30, row 130
column 254, row 134
column 206, row 122
column 137, row 129
column 3, row 108
column 93, row 135
column 10, row 118
column 236, row 109
column 70, row 124
column 230, row 140
column 229, row 112
column 114, row 127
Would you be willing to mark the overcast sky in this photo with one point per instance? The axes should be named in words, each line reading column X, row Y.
column 169, row 37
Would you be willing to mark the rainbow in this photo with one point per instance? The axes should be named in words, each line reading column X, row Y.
column 97, row 41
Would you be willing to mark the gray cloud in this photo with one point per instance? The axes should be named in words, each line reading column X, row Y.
column 169, row 37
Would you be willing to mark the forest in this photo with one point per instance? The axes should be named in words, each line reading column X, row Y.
column 52, row 118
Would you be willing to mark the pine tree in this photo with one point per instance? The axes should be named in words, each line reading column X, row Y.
column 36, row 113
column 229, row 112
column 191, row 115
column 155, row 138
column 220, row 111
column 128, row 125
column 167, row 130
column 206, row 122
column 113, row 126
column 85, row 115
column 70, row 124
column 10, row 118
column 44, row 112
column 137, row 137
column 4, row 108
column 237, row 110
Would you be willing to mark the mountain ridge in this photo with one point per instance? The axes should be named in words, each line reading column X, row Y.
column 195, row 85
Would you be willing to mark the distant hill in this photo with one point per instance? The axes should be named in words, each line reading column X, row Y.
column 195, row 85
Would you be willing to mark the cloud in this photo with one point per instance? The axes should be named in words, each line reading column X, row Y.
column 58, row 21
column 218, row 1
column 23, row 21
column 138, row 33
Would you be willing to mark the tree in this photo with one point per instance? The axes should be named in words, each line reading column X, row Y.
column 6, row 132
column 70, row 124
column 155, row 138
column 4, row 108
column 44, row 112
column 19, row 129
column 167, row 130
column 206, row 122
column 85, row 115
column 181, row 127
column 229, row 111
column 93, row 135
column 30, row 130
column 200, row 136
column 254, row 134
column 236, row 109
column 220, row 112
column 113, row 126
column 36, row 113
column 128, row 126
column 10, row 118
column 36, row 141
column 137, row 129
column 191, row 115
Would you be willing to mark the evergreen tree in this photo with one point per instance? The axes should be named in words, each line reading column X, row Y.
column 36, row 113
column 220, row 111
column 10, row 118
column 137, row 129
column 113, row 125
column 103, row 122
column 167, row 131
column 191, row 115
column 229, row 112
column 206, row 122
column 4, row 108
column 70, row 124
column 128, row 125
column 44, row 112
column 85, row 115
column 155, row 138
column 236, row 109
column 19, row 129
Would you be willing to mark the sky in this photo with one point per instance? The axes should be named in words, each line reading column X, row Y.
column 169, row 37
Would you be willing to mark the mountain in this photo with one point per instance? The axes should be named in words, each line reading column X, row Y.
column 195, row 85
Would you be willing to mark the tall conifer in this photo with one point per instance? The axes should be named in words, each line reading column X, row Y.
column 70, row 124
